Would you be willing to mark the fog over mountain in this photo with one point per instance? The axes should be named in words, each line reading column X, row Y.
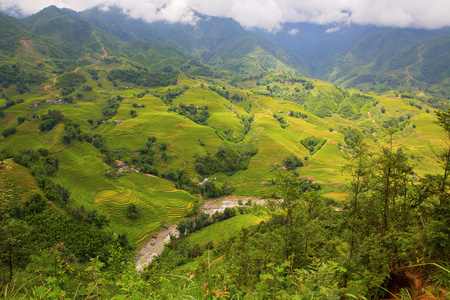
column 268, row 15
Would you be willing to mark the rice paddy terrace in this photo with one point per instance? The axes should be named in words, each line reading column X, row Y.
column 276, row 130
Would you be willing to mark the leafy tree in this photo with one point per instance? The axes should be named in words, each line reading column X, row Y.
column 132, row 212
column 287, row 196
column 392, row 167
column 292, row 162
column 35, row 204
column 14, row 243
column 443, row 154
column 8, row 131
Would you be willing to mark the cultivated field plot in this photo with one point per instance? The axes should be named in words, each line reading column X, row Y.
column 220, row 231
column 158, row 202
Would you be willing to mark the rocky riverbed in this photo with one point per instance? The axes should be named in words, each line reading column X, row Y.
column 155, row 245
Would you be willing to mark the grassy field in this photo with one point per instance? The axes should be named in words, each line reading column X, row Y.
column 222, row 230
column 16, row 182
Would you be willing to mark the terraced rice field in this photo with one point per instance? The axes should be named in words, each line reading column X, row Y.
column 159, row 203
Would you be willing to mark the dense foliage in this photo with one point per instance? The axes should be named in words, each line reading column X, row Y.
column 143, row 78
column 14, row 74
column 228, row 158
column 197, row 114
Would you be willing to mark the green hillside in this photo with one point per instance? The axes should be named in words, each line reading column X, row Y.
column 252, row 55
column 392, row 59
column 104, row 142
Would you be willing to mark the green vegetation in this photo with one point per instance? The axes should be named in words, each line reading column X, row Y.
column 197, row 114
column 14, row 74
column 142, row 77
column 313, row 143
column 104, row 142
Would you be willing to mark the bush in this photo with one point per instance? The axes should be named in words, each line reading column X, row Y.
column 20, row 120
column 8, row 131
column 132, row 212
column 292, row 162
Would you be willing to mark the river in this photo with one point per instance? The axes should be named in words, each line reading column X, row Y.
column 155, row 246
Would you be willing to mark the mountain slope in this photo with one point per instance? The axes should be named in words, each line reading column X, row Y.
column 390, row 59
column 252, row 55
column 155, row 55
column 75, row 36
column 207, row 34
column 218, row 41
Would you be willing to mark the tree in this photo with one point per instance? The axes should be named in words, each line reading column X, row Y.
column 286, row 195
column 360, row 172
column 391, row 166
column 14, row 240
column 443, row 154
column 132, row 212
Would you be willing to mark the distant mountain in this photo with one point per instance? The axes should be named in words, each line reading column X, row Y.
column 220, row 42
column 9, row 31
column 205, row 36
column 365, row 57
column 252, row 55
column 391, row 58
column 75, row 35
column 155, row 55
column 314, row 43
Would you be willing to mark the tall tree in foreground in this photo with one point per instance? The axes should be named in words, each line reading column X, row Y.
column 286, row 195
column 443, row 154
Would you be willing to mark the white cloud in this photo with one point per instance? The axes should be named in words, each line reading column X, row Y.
column 333, row 29
column 267, row 14
column 294, row 31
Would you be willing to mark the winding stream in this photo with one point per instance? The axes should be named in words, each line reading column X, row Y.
column 155, row 246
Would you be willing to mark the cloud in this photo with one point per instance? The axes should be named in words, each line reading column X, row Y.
column 269, row 15
column 294, row 31
column 333, row 29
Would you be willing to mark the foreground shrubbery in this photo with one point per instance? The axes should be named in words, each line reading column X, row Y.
column 393, row 223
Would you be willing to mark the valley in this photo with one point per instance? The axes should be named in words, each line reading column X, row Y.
column 109, row 135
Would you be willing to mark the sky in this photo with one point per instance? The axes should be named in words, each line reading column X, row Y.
column 269, row 15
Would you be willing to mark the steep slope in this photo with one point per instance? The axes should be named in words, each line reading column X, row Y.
column 313, row 43
column 252, row 55
column 9, row 31
column 218, row 41
column 205, row 35
column 390, row 59
column 75, row 36
column 155, row 55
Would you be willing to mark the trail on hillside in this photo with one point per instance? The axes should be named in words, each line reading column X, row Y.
column 407, row 68
column 176, row 136
column 54, row 82
column 301, row 128
column 103, row 48
column 420, row 52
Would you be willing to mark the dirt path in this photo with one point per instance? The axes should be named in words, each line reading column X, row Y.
column 301, row 128
column 54, row 82
column 103, row 48
column 175, row 137
column 407, row 68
